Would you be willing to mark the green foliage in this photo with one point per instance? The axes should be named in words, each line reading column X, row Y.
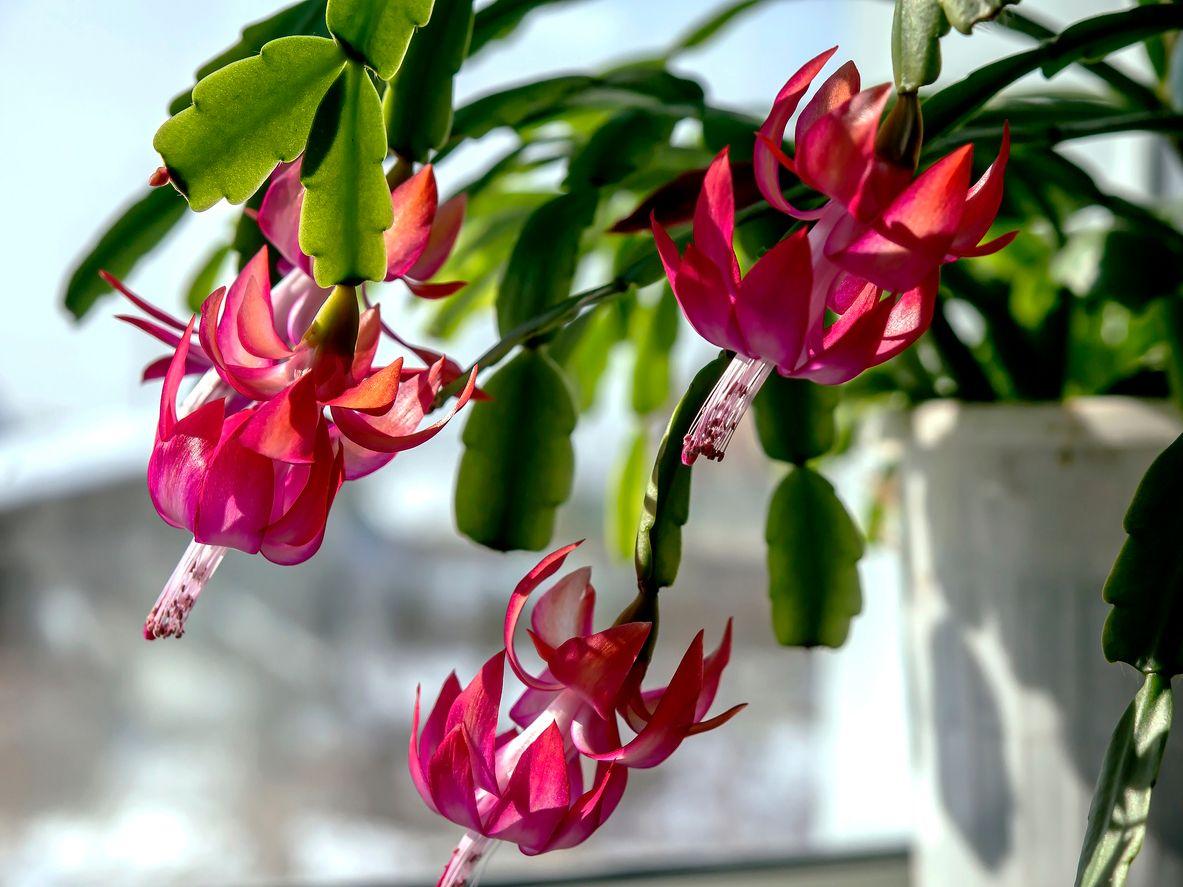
column 500, row 18
column 305, row 17
column 916, row 31
column 347, row 202
column 626, row 494
column 1145, row 626
column 795, row 418
column 658, row 550
column 246, row 118
column 1121, row 803
column 618, row 147
column 518, row 462
column 1086, row 40
column 713, row 24
column 205, row 279
column 654, row 335
column 542, row 264
column 1134, row 269
column 582, row 348
column 813, row 553
column 418, row 102
column 377, row 31
column 134, row 234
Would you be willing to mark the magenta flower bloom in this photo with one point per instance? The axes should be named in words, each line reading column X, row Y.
column 526, row 785
column 871, row 259
column 255, row 455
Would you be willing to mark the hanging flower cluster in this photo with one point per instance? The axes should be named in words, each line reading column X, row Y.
column 526, row 785
column 870, row 259
column 290, row 404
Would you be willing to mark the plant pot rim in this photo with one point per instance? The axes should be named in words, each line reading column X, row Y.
column 1105, row 421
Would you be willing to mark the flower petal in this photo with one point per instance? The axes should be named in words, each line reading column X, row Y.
column 449, row 776
column 541, row 571
column 279, row 215
column 714, row 220
column 375, row 394
column 768, row 157
column 565, row 609
column 706, row 301
column 772, row 307
column 982, row 202
column 445, row 229
column 284, row 428
column 414, row 203
column 597, row 666
column 537, row 794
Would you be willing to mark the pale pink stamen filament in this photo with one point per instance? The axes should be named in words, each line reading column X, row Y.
column 716, row 422
column 172, row 608
column 468, row 861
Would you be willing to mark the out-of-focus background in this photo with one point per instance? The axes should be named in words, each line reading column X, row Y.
column 268, row 745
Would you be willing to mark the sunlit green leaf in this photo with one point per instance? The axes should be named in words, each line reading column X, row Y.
column 656, row 331
column 626, row 496
column 500, row 18
column 247, row 118
column 813, row 553
column 347, row 201
column 1121, row 803
column 305, row 17
column 518, row 462
column 658, row 550
column 618, row 147
column 582, row 348
column 377, row 31
column 418, row 102
column 542, row 264
column 135, row 233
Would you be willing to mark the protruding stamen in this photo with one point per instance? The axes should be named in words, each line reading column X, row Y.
column 728, row 401
column 468, row 861
column 172, row 608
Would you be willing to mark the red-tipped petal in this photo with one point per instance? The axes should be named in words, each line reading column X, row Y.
column 256, row 325
column 414, row 203
column 915, row 232
column 284, row 428
column 541, row 571
column 772, row 308
column 591, row 810
column 706, row 301
column 597, row 666
column 445, row 229
column 476, row 710
column 768, row 157
column 375, row 394
column 982, row 203
column 714, row 219
column 434, row 291
column 449, row 776
column 565, row 609
column 537, row 795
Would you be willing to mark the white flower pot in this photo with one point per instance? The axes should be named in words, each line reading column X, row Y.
column 1012, row 517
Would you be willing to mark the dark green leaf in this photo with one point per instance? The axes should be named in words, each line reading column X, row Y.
column 542, row 264
column 1086, row 40
column 1145, row 626
column 713, row 24
column 964, row 14
column 377, row 31
column 618, row 147
column 626, row 495
column 658, row 550
column 1121, row 803
column 1134, row 269
column 795, row 418
column 139, row 228
column 347, row 201
column 499, row 19
column 655, row 335
column 205, row 279
column 306, row 17
column 246, row 119
column 518, row 463
column 418, row 101
column 813, row 553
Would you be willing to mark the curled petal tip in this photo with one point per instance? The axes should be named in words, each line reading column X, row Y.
column 159, row 177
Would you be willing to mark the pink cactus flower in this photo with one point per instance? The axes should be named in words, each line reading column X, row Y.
column 418, row 243
column 526, row 785
column 255, row 455
column 871, row 258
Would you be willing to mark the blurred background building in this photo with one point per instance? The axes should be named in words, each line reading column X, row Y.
column 269, row 744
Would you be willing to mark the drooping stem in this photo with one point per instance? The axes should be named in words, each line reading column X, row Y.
column 468, row 861
column 731, row 397
column 172, row 608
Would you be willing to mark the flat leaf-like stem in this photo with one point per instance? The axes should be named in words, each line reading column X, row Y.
column 518, row 462
column 658, row 551
column 246, row 119
column 135, row 233
column 813, row 552
column 1121, row 803
column 347, row 204
column 377, row 31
